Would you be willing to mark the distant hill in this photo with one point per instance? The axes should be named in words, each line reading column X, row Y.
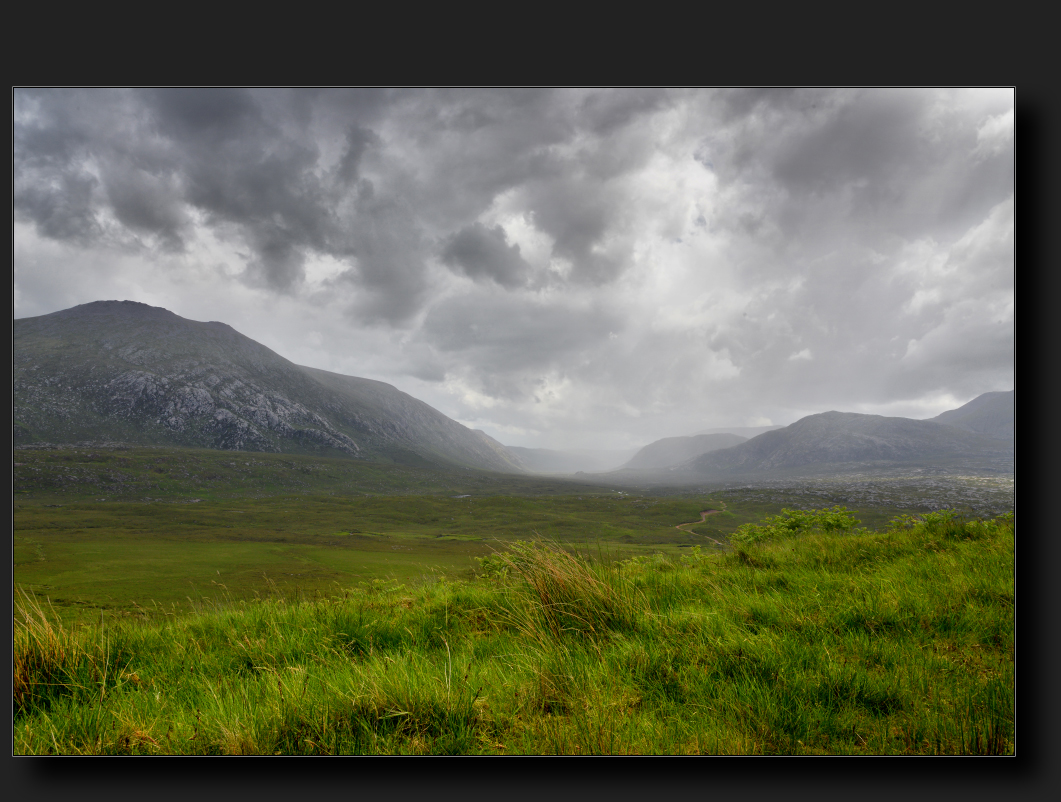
column 743, row 431
column 990, row 414
column 128, row 372
column 847, row 438
column 671, row 451
column 545, row 460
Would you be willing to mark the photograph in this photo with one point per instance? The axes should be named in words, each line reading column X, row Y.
column 513, row 421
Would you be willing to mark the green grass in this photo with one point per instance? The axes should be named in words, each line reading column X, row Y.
column 816, row 641
column 149, row 532
column 189, row 601
column 139, row 558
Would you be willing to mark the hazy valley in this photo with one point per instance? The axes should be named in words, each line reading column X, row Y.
column 173, row 478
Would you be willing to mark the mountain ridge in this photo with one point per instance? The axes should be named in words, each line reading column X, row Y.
column 835, row 438
column 990, row 414
column 141, row 374
column 129, row 372
column 671, row 451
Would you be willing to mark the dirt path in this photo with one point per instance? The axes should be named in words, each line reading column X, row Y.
column 703, row 517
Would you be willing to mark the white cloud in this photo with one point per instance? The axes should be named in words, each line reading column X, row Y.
column 995, row 134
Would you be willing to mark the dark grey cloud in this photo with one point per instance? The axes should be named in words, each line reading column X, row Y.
column 636, row 253
column 358, row 140
column 484, row 254
column 577, row 215
column 147, row 203
column 62, row 209
column 389, row 278
column 462, row 149
column 205, row 118
column 608, row 110
column 883, row 161
column 562, row 158
column 161, row 154
column 284, row 170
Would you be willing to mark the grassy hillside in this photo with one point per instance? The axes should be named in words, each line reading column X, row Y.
column 812, row 636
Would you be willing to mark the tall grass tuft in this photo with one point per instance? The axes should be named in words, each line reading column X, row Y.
column 561, row 594
column 50, row 662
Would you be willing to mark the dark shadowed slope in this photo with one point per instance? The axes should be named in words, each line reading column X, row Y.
column 990, row 414
column 133, row 373
column 847, row 438
column 671, row 451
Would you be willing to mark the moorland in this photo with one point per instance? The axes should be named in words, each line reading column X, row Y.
column 181, row 601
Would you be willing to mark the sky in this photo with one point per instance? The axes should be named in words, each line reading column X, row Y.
column 561, row 268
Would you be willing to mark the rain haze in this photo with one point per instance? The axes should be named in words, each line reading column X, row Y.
column 562, row 269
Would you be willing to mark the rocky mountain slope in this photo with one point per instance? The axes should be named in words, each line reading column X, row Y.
column 990, row 414
column 671, row 451
column 128, row 372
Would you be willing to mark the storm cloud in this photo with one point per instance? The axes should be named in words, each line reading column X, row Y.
column 593, row 268
column 483, row 253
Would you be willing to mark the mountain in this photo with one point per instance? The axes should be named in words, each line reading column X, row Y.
column 128, row 372
column 990, row 414
column 546, row 460
column 743, row 431
column 846, row 438
column 671, row 451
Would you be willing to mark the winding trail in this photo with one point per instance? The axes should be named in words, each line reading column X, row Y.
column 703, row 517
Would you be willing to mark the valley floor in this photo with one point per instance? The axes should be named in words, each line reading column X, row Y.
column 811, row 636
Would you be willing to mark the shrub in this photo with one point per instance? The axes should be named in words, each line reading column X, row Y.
column 947, row 524
column 836, row 519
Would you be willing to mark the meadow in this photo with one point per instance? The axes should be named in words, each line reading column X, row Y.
column 301, row 605
column 149, row 532
column 139, row 558
column 819, row 639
